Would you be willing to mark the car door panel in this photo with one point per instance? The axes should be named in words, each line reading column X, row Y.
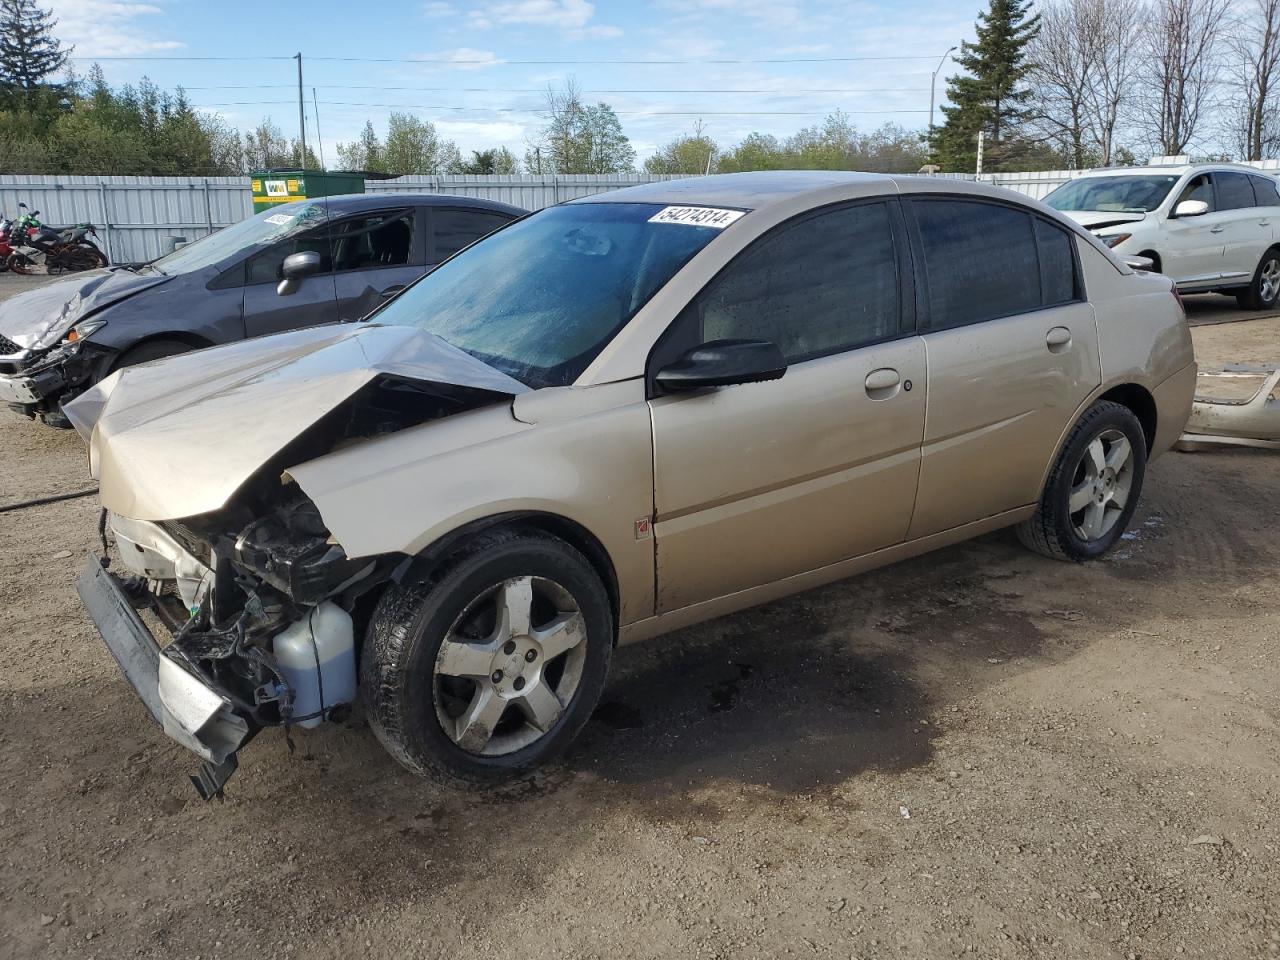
column 1194, row 250
column 1000, row 395
column 313, row 303
column 1243, row 237
column 762, row 481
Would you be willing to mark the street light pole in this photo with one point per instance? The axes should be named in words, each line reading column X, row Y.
column 933, row 84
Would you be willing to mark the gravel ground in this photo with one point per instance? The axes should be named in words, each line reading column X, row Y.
column 977, row 753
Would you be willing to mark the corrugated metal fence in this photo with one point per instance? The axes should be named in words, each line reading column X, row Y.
column 140, row 218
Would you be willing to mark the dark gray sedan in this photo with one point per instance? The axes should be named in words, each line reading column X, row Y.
column 63, row 337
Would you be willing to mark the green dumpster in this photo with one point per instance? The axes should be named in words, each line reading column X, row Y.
column 281, row 186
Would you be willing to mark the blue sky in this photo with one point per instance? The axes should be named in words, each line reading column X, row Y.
column 462, row 78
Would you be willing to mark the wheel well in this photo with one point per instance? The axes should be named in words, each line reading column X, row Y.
column 1154, row 258
column 571, row 532
column 190, row 339
column 1140, row 401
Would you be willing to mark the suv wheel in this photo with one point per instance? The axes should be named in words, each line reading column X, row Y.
column 1093, row 488
column 491, row 666
column 1263, row 291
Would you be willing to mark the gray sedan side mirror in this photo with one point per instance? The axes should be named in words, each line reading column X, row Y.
column 719, row 363
column 296, row 268
column 1191, row 208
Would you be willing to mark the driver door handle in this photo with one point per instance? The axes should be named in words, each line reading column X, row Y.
column 392, row 290
column 1217, row 229
column 883, row 383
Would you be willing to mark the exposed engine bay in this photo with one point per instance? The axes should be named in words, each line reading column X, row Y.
column 261, row 601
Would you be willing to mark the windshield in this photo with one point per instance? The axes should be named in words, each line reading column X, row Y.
column 541, row 298
column 1112, row 194
column 247, row 235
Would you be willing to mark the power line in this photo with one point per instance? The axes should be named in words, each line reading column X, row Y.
column 621, row 113
column 798, row 91
column 497, row 61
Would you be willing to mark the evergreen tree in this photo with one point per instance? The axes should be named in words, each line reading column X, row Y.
column 991, row 96
column 29, row 56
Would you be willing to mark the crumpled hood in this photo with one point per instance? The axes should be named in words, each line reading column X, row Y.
column 52, row 309
column 1097, row 219
column 177, row 437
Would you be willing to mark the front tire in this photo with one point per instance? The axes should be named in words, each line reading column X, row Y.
column 1263, row 292
column 1093, row 487
column 491, row 666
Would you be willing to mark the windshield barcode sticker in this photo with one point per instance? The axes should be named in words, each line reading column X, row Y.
column 278, row 218
column 697, row 216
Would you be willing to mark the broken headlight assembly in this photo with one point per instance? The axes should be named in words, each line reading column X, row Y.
column 292, row 551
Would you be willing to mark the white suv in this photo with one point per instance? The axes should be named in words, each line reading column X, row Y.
column 1211, row 227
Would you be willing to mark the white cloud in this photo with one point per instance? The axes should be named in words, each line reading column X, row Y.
column 436, row 9
column 461, row 58
column 109, row 28
column 562, row 14
column 599, row 32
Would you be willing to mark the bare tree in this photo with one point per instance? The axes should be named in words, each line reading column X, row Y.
column 1255, row 48
column 1062, row 71
column 1083, row 74
column 1181, row 47
column 1115, row 26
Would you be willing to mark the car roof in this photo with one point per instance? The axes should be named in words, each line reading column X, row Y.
column 748, row 191
column 355, row 202
column 1175, row 169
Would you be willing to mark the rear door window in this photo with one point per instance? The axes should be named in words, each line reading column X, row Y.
column 455, row 228
column 1234, row 191
column 980, row 261
column 383, row 239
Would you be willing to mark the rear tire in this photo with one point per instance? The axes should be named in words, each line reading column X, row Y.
column 1093, row 487
column 1263, row 292
column 456, row 688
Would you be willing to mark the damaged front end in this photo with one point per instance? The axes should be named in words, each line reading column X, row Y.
column 224, row 549
column 259, row 624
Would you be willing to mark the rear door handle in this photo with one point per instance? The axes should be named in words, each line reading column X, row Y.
column 883, row 383
column 392, row 290
column 1217, row 229
column 1058, row 339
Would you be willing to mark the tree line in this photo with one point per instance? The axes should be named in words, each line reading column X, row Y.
column 1070, row 83
column 1081, row 83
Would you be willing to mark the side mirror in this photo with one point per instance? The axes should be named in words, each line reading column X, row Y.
column 1191, row 208
column 296, row 268
column 720, row 363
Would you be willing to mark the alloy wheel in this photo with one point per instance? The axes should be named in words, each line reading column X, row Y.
column 1269, row 280
column 509, row 666
column 1101, row 484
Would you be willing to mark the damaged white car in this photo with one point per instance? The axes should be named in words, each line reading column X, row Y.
column 608, row 420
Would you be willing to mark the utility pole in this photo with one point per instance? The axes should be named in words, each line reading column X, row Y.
column 302, row 118
column 981, row 137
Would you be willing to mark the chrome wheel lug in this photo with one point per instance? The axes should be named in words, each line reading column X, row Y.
column 497, row 676
column 531, row 656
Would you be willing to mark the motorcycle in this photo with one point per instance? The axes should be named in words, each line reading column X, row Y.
column 6, row 248
column 67, row 249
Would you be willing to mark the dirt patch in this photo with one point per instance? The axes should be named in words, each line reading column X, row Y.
column 975, row 753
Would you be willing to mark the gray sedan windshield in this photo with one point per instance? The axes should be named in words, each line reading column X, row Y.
column 1126, row 194
column 247, row 235
column 541, row 298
